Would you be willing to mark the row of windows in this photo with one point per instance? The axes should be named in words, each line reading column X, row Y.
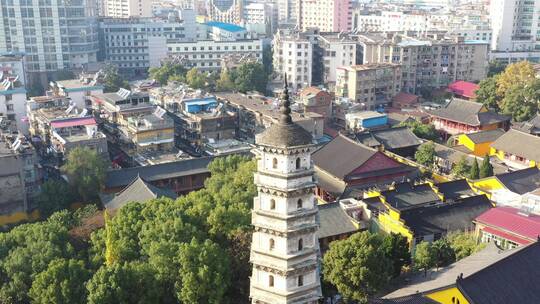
column 299, row 204
column 299, row 281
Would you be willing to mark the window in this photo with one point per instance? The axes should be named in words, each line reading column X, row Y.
column 271, row 281
column 298, row 163
column 274, row 163
column 272, row 204
column 300, row 280
column 299, row 204
column 300, row 244
column 272, row 244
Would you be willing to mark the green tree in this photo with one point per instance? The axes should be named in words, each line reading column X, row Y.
column 425, row 154
column 250, row 77
column 474, row 173
column 204, row 272
column 516, row 74
column 239, row 251
column 267, row 60
column 168, row 72
column 464, row 244
column 521, row 101
column 357, row 266
column 486, row 169
column 61, row 283
column 112, row 79
column 55, row 195
column 26, row 251
column 196, row 79
column 424, row 257
column 444, row 254
column 462, row 168
column 124, row 283
column 396, row 248
column 224, row 83
column 86, row 171
column 487, row 93
column 425, row 131
column 496, row 67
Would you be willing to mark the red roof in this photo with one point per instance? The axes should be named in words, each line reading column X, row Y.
column 463, row 88
column 405, row 98
column 73, row 122
column 507, row 236
column 509, row 219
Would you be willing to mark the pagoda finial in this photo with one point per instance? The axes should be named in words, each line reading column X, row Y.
column 285, row 104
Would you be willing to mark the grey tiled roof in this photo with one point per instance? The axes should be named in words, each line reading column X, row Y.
column 138, row 191
column 341, row 156
column 455, row 189
column 407, row 195
column 520, row 144
column 468, row 112
column 513, row 279
column 455, row 216
column 284, row 135
column 414, row 299
column 334, row 221
column 123, row 177
column 521, row 181
column 395, row 138
column 447, row 276
column 485, row 136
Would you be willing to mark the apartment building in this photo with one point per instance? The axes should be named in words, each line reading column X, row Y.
column 228, row 11
column 371, row 85
column 12, row 104
column 325, row 15
column 262, row 17
column 53, row 35
column 426, row 62
column 126, row 8
column 516, row 31
column 19, row 175
column 336, row 50
column 206, row 55
column 287, row 11
column 293, row 55
column 78, row 90
column 13, row 64
column 136, row 44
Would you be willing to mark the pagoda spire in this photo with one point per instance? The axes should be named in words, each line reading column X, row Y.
column 285, row 108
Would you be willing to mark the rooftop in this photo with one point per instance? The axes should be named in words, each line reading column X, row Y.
column 408, row 195
column 511, row 220
column 446, row 217
column 463, row 88
column 455, row 189
column 370, row 66
column 138, row 191
column 485, row 136
column 229, row 27
column 334, row 221
column 519, row 143
column 396, row 138
column 520, row 181
column 468, row 112
column 123, row 177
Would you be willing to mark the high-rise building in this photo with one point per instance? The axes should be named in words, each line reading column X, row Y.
column 516, row 31
column 228, row 11
column 293, row 55
column 287, row 11
column 326, row 15
column 54, row 35
column 285, row 247
column 426, row 62
column 126, row 8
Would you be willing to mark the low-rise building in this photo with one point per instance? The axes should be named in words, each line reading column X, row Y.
column 255, row 113
column 19, row 178
column 508, row 227
column 69, row 133
column 531, row 126
column 372, row 85
column 12, row 104
column 405, row 101
column 463, row 116
column 398, row 140
column 507, row 188
column 517, row 149
column 118, row 107
column 78, row 90
column 465, row 281
column 138, row 190
column 316, row 100
column 344, row 164
column 463, row 89
column 479, row 143
column 181, row 176
column 365, row 120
